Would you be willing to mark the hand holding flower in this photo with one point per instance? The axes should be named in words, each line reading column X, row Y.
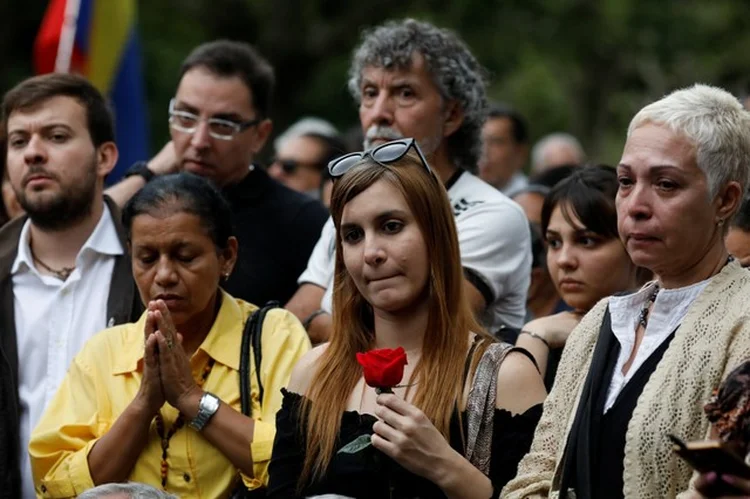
column 407, row 436
column 383, row 370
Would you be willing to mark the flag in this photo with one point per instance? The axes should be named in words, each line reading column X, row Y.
column 105, row 49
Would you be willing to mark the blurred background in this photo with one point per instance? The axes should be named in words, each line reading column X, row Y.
column 581, row 66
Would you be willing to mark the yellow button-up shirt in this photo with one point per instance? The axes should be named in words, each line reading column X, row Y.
column 105, row 376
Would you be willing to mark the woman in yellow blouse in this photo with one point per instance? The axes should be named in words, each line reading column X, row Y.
column 158, row 401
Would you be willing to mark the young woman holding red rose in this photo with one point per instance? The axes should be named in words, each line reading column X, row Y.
column 399, row 284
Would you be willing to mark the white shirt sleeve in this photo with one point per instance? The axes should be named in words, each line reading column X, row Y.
column 495, row 247
column 322, row 263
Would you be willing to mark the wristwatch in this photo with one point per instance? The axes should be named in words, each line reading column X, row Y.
column 140, row 168
column 208, row 406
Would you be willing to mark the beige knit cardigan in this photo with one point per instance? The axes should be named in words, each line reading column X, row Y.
column 713, row 338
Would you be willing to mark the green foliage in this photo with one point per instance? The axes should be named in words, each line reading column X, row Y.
column 585, row 66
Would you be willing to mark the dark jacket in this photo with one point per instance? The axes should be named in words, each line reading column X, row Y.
column 123, row 305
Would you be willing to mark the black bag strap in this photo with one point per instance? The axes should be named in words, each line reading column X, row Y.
column 252, row 335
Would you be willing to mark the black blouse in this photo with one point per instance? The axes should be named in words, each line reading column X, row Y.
column 370, row 473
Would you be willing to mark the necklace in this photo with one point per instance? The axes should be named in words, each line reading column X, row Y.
column 61, row 274
column 643, row 316
column 179, row 423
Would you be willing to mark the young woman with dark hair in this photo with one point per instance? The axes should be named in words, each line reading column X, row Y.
column 585, row 258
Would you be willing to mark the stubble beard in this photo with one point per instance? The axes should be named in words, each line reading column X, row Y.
column 64, row 209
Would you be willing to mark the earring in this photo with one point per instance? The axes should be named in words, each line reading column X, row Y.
column 720, row 223
column 225, row 275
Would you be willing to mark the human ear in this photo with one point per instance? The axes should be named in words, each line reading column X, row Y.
column 728, row 201
column 262, row 132
column 454, row 118
column 229, row 256
column 106, row 158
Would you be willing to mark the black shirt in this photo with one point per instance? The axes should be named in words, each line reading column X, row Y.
column 369, row 474
column 594, row 457
column 276, row 228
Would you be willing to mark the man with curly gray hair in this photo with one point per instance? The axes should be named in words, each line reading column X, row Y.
column 450, row 85
column 413, row 79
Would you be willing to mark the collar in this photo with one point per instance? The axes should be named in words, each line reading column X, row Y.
column 104, row 240
column 252, row 186
column 23, row 257
column 668, row 311
column 221, row 343
column 454, row 178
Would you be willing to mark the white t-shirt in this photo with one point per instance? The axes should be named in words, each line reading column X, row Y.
column 493, row 235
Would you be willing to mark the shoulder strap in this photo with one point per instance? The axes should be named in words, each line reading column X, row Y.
column 252, row 335
column 470, row 357
column 480, row 407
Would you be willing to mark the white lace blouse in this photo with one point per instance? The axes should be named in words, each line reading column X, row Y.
column 668, row 311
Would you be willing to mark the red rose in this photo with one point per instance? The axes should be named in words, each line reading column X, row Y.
column 383, row 368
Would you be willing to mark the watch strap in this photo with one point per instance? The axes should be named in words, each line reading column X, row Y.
column 140, row 168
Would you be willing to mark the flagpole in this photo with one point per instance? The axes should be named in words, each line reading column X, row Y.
column 67, row 36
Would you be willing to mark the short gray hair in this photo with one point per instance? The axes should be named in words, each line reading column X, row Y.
column 454, row 70
column 132, row 490
column 309, row 125
column 537, row 152
column 715, row 122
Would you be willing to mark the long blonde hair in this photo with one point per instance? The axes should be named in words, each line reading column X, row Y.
column 439, row 373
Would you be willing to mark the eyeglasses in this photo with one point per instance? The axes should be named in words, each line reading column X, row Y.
column 218, row 128
column 383, row 154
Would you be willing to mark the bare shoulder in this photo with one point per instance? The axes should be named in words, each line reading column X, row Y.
column 519, row 384
column 305, row 369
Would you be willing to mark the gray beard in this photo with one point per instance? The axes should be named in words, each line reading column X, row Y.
column 428, row 146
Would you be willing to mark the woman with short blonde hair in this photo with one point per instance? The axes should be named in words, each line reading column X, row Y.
column 639, row 367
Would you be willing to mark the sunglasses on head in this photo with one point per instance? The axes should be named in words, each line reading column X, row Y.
column 383, row 154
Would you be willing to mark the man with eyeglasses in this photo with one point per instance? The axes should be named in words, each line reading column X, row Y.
column 219, row 120
column 412, row 79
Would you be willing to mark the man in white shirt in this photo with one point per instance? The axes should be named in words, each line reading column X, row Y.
column 64, row 272
column 412, row 79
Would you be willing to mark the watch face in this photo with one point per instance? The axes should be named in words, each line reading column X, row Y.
column 212, row 403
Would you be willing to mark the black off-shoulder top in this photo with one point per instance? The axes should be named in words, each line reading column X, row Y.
column 371, row 474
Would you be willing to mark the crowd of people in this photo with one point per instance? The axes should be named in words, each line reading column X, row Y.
column 195, row 330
